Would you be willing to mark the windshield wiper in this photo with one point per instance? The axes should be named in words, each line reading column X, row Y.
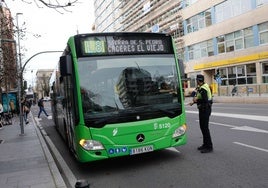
column 117, row 108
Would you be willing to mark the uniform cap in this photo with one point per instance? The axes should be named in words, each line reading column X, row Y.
column 200, row 77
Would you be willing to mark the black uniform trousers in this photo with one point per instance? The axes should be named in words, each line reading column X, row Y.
column 204, row 114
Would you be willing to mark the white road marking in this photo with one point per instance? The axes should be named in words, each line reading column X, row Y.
column 240, row 116
column 253, row 147
column 222, row 124
column 241, row 128
column 252, row 129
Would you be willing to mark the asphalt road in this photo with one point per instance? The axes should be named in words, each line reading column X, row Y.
column 240, row 157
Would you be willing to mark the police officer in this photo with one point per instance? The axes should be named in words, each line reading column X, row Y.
column 203, row 99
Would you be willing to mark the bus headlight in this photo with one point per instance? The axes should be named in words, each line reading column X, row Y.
column 179, row 131
column 91, row 144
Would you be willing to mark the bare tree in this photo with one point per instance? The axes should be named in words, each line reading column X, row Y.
column 53, row 4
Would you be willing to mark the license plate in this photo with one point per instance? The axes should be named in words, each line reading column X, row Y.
column 143, row 149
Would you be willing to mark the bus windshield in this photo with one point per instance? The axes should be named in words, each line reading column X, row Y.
column 128, row 88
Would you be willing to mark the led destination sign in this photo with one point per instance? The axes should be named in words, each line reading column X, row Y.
column 110, row 45
column 135, row 46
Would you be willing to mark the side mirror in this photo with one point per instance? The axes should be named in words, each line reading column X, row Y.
column 65, row 65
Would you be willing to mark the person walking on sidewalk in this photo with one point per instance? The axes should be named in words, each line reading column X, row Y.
column 203, row 99
column 12, row 107
column 26, row 106
column 41, row 107
column 1, row 115
column 234, row 90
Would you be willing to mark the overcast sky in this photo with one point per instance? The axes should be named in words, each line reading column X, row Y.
column 53, row 27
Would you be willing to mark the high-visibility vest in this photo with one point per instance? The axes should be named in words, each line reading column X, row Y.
column 206, row 87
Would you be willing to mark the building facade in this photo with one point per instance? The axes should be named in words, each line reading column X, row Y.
column 226, row 40
column 42, row 87
column 230, row 38
column 107, row 15
column 8, row 68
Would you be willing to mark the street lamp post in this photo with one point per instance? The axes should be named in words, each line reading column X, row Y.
column 20, row 75
column 32, row 81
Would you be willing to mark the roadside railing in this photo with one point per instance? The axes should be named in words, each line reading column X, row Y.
column 243, row 90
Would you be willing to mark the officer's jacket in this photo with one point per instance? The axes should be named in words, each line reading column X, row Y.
column 204, row 96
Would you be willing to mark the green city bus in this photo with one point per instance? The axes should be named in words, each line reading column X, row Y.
column 118, row 94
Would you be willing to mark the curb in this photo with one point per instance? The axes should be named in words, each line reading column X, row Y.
column 59, row 165
column 57, row 178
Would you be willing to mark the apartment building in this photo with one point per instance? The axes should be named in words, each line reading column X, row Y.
column 8, row 69
column 228, row 37
column 107, row 15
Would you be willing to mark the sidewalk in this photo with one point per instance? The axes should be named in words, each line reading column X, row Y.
column 25, row 160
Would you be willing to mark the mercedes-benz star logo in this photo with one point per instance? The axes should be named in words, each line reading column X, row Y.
column 140, row 137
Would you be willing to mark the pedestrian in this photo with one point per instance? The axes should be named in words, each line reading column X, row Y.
column 203, row 100
column 26, row 106
column 1, row 115
column 12, row 107
column 234, row 90
column 1, row 109
column 41, row 107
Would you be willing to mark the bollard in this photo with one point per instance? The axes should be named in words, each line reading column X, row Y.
column 82, row 184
